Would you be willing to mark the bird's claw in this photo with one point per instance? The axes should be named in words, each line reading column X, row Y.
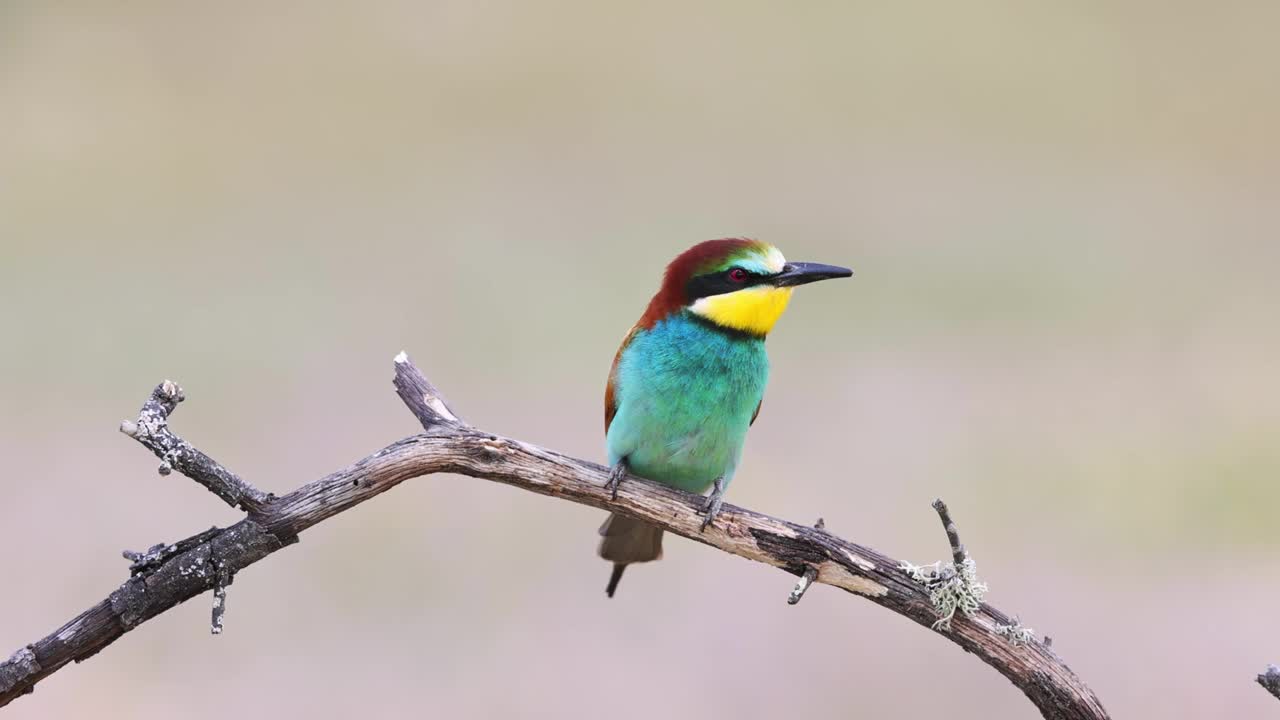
column 712, row 507
column 616, row 473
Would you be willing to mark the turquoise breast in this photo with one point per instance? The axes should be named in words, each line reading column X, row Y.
column 686, row 392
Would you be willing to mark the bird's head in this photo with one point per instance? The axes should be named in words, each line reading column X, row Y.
column 739, row 284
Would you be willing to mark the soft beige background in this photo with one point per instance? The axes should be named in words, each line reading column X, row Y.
column 1064, row 220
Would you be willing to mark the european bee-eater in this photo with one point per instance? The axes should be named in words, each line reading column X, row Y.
column 689, row 379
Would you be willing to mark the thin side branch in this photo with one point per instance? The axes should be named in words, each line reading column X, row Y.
column 222, row 580
column 807, row 579
column 152, row 430
column 958, row 553
column 167, row 575
column 422, row 398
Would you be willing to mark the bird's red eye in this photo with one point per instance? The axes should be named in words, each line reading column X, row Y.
column 738, row 275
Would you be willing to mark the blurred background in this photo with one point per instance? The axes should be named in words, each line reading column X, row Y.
column 1064, row 322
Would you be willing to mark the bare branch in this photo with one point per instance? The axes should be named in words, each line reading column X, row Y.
column 1270, row 680
column 157, row 555
column 152, row 430
column 802, row 585
column 170, row 574
column 958, row 553
column 221, row 581
column 423, row 399
column 953, row 587
column 152, row 590
column 808, row 578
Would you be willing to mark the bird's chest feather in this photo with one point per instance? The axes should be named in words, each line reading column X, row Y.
column 687, row 394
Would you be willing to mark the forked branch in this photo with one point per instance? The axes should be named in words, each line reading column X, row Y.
column 169, row 574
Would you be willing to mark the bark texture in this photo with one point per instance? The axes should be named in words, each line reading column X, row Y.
column 169, row 574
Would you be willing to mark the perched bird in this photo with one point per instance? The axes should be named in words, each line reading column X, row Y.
column 689, row 379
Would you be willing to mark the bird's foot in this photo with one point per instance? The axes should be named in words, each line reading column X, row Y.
column 616, row 473
column 712, row 506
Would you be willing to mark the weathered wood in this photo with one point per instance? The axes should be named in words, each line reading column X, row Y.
column 152, row 590
column 958, row 553
column 152, row 430
column 421, row 397
column 165, row 579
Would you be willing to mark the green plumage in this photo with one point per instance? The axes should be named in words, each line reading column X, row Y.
column 686, row 393
column 688, row 380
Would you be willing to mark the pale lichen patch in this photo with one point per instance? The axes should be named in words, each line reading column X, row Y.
column 1015, row 633
column 951, row 589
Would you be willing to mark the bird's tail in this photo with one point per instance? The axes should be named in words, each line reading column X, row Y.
column 625, row 541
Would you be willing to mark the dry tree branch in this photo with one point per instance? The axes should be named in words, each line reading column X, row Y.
column 808, row 577
column 152, row 430
column 169, row 574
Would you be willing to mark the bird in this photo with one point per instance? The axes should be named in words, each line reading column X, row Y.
column 689, row 380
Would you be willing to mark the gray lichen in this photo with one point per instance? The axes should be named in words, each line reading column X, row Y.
column 1015, row 633
column 20, row 666
column 951, row 589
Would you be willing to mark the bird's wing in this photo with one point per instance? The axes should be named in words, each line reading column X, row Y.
column 756, row 414
column 611, row 388
column 610, row 403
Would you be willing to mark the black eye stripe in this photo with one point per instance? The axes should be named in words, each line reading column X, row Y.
column 718, row 283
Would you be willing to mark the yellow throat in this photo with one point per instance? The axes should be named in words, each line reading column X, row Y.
column 753, row 310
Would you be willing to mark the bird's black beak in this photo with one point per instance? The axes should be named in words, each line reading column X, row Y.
column 800, row 273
